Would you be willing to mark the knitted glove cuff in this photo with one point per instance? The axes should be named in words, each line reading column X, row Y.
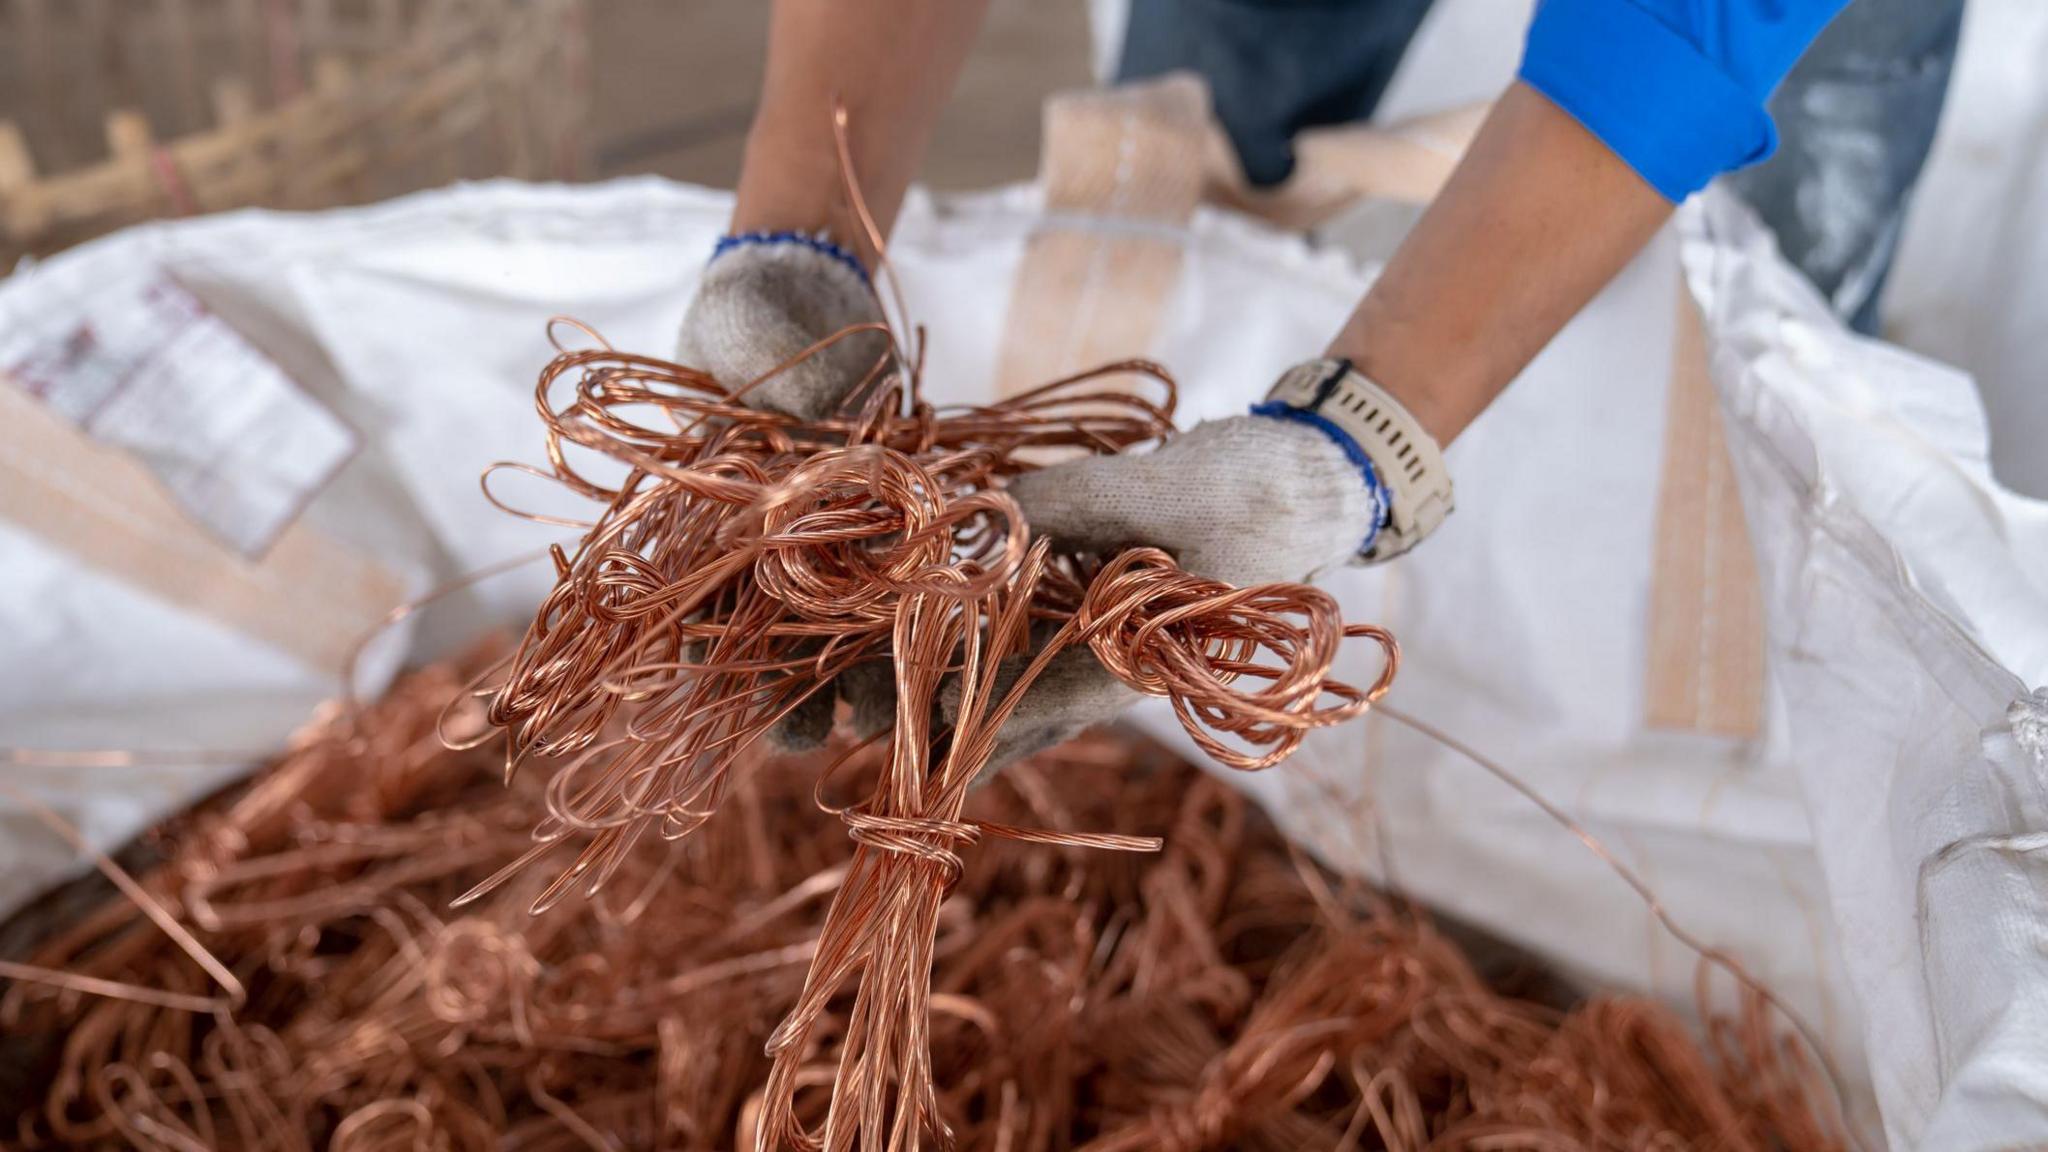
column 818, row 242
column 763, row 300
column 1382, row 496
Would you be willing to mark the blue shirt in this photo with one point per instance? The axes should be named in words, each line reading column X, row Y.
column 1676, row 87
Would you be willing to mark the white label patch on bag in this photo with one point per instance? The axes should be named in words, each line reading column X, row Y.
column 147, row 368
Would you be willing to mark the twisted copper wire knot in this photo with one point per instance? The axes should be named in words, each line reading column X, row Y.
column 921, row 838
column 1169, row 633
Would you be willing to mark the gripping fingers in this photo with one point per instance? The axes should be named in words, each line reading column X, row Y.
column 760, row 305
column 1074, row 693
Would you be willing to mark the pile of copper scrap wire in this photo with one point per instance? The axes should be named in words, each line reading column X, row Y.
column 1222, row 993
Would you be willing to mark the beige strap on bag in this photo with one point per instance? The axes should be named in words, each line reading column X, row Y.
column 1122, row 170
column 311, row 595
column 1706, row 645
column 1337, row 166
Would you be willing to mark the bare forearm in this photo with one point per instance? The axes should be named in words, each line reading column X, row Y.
column 891, row 63
column 1538, row 217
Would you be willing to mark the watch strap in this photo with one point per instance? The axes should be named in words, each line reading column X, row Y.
column 1405, row 462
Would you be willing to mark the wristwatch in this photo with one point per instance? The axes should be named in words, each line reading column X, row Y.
column 1400, row 460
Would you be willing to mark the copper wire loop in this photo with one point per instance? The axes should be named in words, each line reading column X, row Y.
column 1223, row 993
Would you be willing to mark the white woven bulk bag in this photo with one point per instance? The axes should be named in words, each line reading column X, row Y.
column 421, row 323
column 128, row 622
column 1908, row 601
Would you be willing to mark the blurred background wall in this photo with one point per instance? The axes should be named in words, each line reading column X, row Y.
column 677, row 83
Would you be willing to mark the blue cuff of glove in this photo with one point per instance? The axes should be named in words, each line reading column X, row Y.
column 1647, row 92
column 818, row 243
column 1382, row 496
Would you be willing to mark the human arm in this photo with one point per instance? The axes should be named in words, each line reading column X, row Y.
column 1536, row 219
column 1618, row 114
column 890, row 64
column 794, row 266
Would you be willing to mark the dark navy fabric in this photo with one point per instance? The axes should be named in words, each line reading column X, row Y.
column 1856, row 119
column 1275, row 67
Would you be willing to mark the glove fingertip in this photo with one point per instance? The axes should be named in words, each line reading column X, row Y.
column 804, row 728
column 870, row 693
column 1021, row 743
column 761, row 304
column 1058, row 502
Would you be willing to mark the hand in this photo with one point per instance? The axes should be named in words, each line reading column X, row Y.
column 766, row 298
column 1505, row 255
column 1248, row 500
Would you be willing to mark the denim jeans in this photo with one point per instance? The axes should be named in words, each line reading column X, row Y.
column 1855, row 117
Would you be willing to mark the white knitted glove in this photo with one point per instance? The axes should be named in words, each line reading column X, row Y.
column 1248, row 500
column 765, row 298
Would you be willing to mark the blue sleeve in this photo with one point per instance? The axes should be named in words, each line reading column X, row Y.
column 1676, row 87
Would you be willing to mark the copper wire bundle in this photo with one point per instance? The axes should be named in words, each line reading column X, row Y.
column 1221, row 993
column 743, row 559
